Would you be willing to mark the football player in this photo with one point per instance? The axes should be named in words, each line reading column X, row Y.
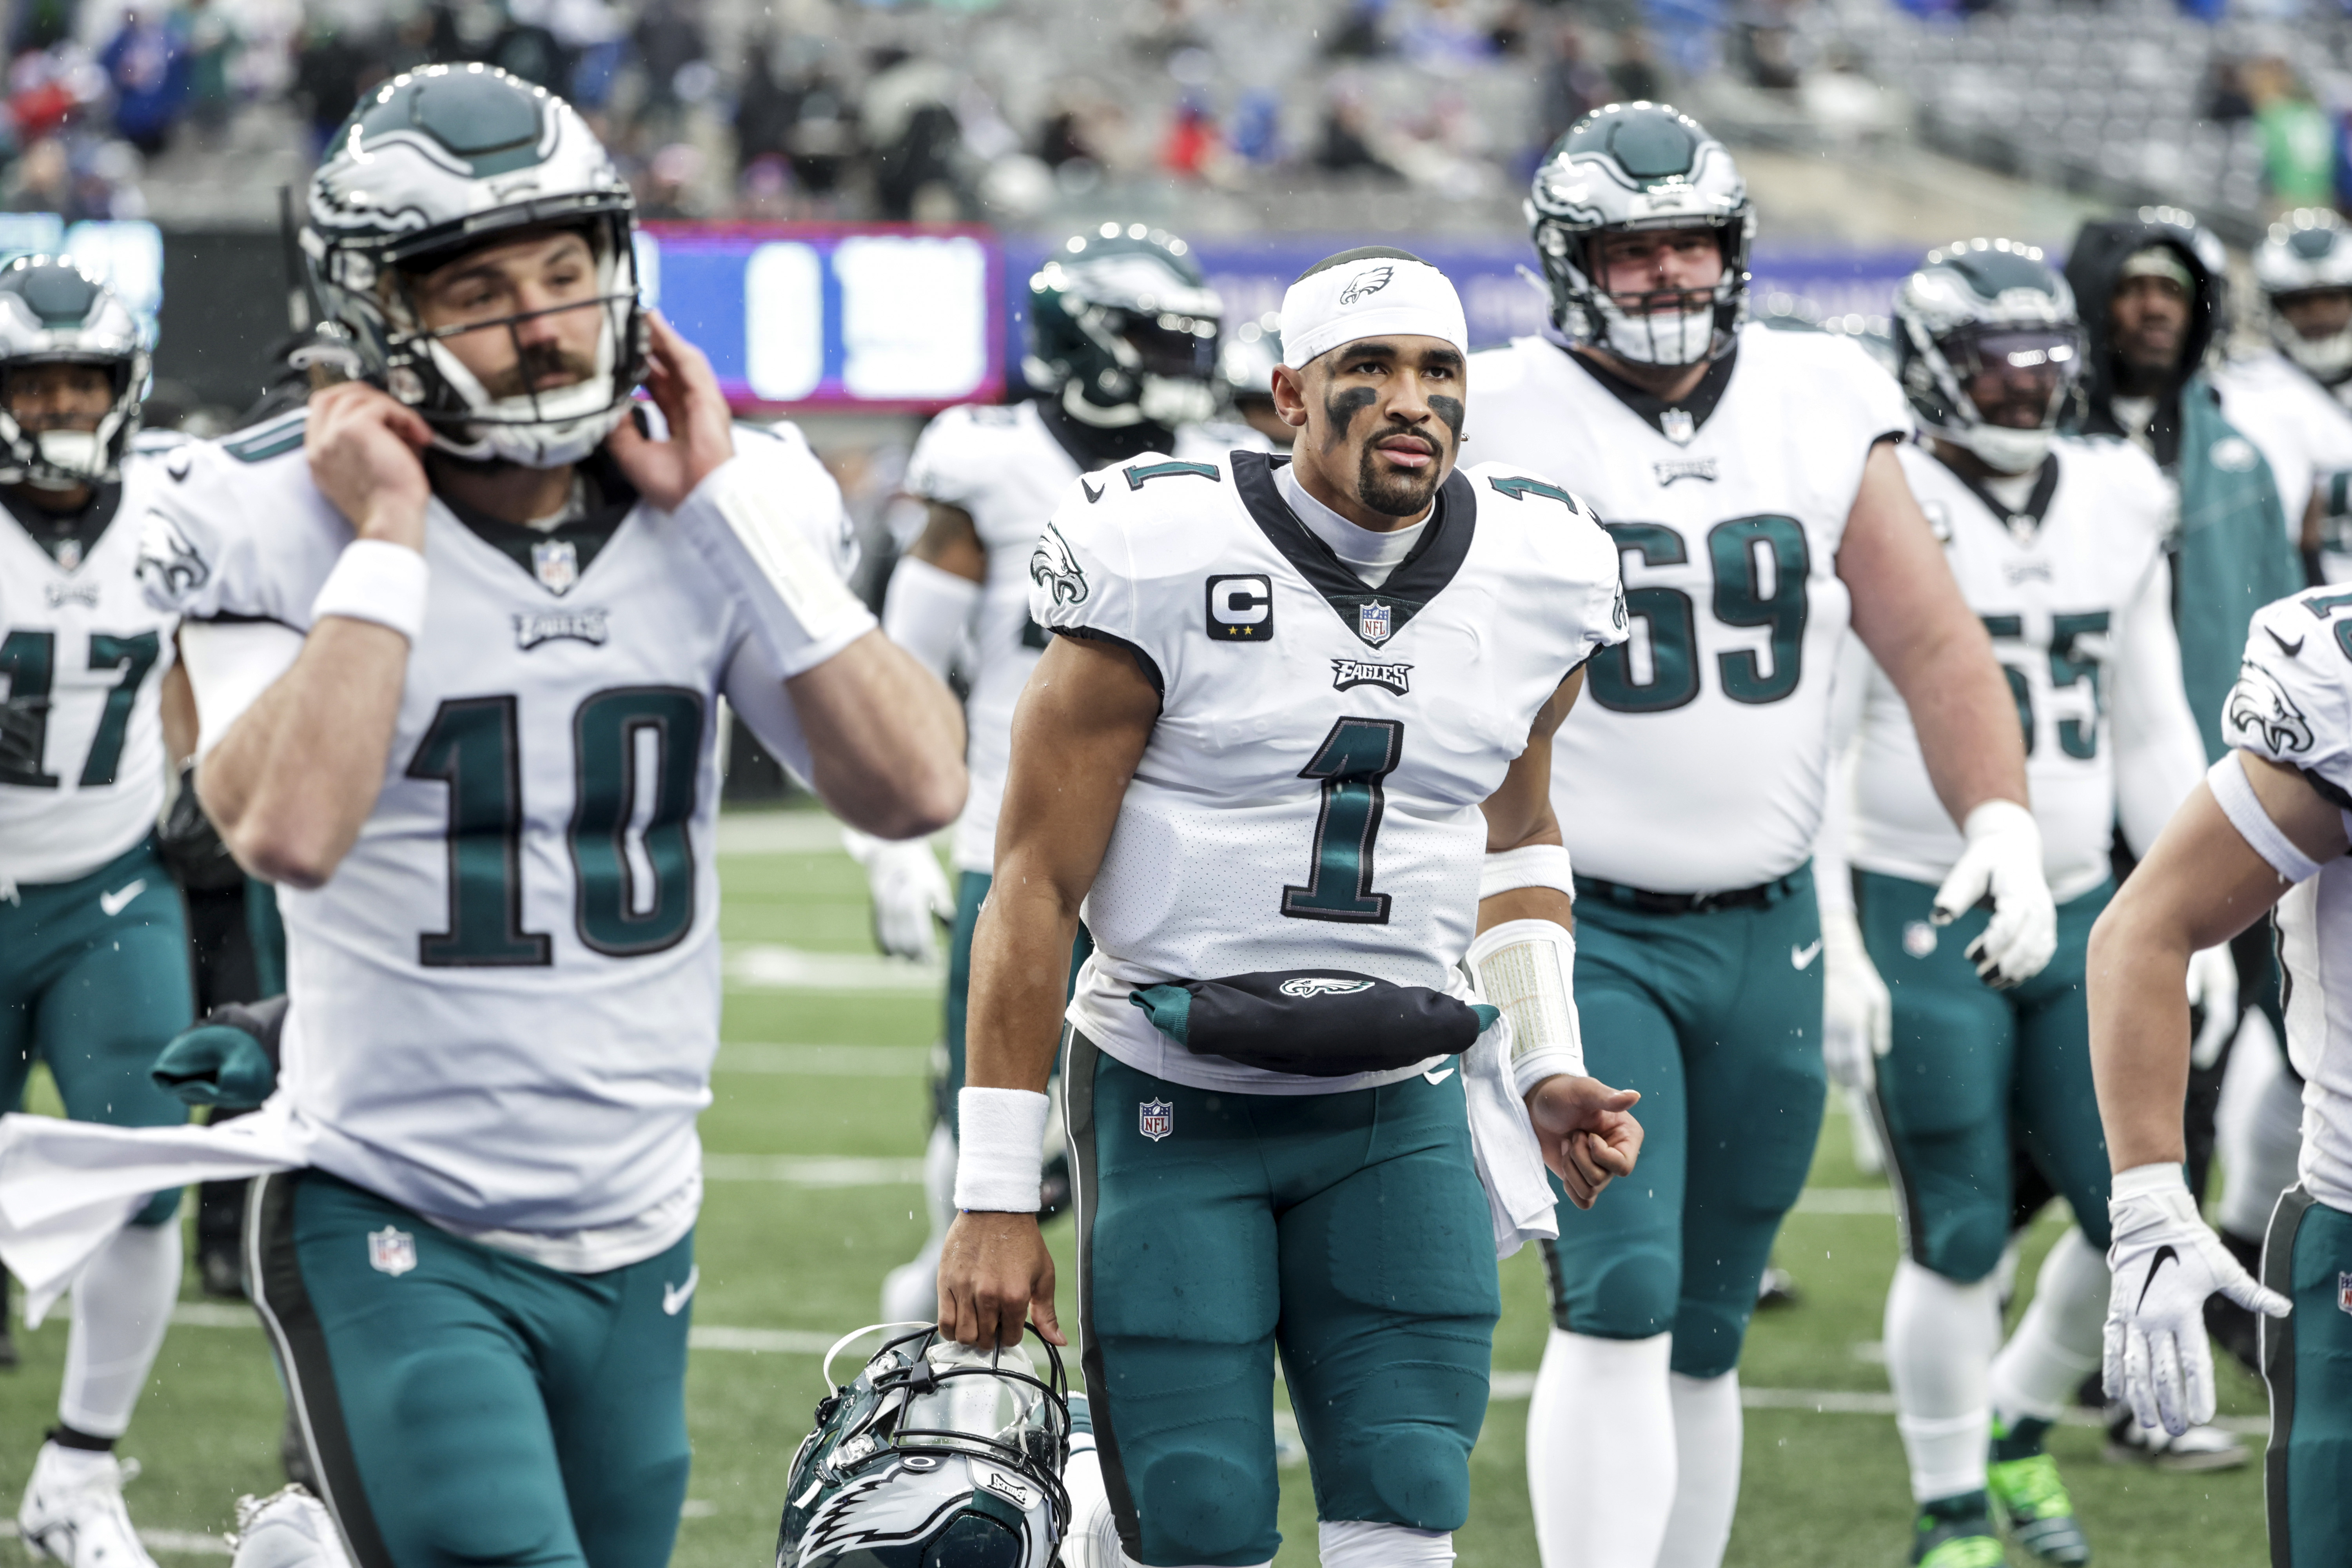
column 93, row 939
column 1750, row 480
column 457, row 636
column 1122, row 350
column 2058, row 544
column 2267, row 828
column 1246, row 365
column 2288, row 397
column 1287, row 755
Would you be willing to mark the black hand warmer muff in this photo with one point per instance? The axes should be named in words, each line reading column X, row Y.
column 1316, row 1023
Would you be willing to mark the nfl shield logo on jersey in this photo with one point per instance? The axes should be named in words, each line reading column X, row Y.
column 1372, row 622
column 1155, row 1118
column 391, row 1251
column 2343, row 1291
column 556, row 564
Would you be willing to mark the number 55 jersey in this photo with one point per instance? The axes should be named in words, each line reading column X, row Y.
column 1698, row 761
column 505, row 1000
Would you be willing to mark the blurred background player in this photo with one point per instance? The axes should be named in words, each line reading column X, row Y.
column 2058, row 545
column 1122, row 358
column 1245, row 367
column 1750, row 480
column 93, row 941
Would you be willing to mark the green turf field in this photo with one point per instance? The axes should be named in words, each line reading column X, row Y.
column 820, row 1119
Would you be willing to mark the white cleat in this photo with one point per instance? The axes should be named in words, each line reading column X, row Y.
column 288, row 1528
column 73, row 1512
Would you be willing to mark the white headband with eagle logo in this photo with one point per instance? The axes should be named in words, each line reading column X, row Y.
column 1374, row 294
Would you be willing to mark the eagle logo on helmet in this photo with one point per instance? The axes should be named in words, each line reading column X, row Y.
column 2260, row 709
column 1055, row 566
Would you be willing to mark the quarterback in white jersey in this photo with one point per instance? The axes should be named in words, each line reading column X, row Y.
column 2058, row 544
column 93, row 938
column 1122, row 340
column 1286, row 756
column 2272, row 825
column 465, row 626
column 1749, row 480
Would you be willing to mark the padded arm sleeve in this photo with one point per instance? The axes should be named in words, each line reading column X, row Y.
column 925, row 611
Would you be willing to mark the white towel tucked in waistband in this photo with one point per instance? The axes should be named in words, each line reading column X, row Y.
column 1510, row 1162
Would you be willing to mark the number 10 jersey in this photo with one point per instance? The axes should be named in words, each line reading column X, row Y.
column 1698, row 761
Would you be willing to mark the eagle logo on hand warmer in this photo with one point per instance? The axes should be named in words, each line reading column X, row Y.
column 2260, row 709
column 1055, row 566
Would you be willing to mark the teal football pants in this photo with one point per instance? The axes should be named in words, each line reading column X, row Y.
column 2308, row 1362
column 1716, row 1016
column 94, row 981
column 465, row 1406
column 1349, row 1232
column 971, row 892
column 1970, row 1067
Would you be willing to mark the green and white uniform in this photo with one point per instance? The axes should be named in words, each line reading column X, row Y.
column 2067, row 567
column 1309, row 800
column 504, row 1003
column 93, row 941
column 1689, row 785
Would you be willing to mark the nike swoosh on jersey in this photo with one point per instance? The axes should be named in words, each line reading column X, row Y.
column 115, row 902
column 675, row 1297
column 2163, row 1255
column 2286, row 647
column 1438, row 1075
column 1094, row 492
column 1802, row 957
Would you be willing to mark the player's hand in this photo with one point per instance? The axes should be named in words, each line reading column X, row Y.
column 366, row 455
column 2213, row 990
column 2163, row 1264
column 2003, row 859
column 911, row 897
column 701, row 426
column 1857, row 1012
column 1587, row 1130
column 994, row 1274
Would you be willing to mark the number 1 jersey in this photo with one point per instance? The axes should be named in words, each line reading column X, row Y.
column 1698, row 758
column 505, row 1000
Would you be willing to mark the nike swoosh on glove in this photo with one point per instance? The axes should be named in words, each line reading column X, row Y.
column 909, row 890
column 2163, row 1265
column 2214, row 987
column 1857, row 1014
column 2003, row 859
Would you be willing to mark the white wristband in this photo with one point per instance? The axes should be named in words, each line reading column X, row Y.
column 1996, row 817
column 2148, row 1181
column 1527, row 968
column 802, row 610
column 376, row 580
column 1529, row 866
column 2234, row 791
column 1001, row 1150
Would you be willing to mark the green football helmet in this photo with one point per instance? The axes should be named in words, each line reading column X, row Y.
column 1123, row 326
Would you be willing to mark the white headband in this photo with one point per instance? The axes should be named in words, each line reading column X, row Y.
column 1367, row 299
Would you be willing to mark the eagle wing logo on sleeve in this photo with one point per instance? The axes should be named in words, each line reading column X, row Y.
column 2260, row 709
column 1055, row 566
column 168, row 563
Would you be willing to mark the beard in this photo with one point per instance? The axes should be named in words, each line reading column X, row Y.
column 1399, row 493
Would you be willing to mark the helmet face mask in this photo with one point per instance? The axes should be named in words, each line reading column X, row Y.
column 936, row 1455
column 442, row 162
column 2306, row 257
column 1641, row 168
column 53, row 313
column 1123, row 325
column 1990, row 310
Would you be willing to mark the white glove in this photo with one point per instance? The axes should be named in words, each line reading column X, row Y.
column 2162, row 1266
column 1857, row 1014
column 2003, row 858
column 910, row 892
column 2212, row 986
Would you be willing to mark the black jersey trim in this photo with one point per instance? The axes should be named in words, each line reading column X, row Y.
column 1420, row 577
column 613, row 500
column 2037, row 502
column 53, row 530
column 1649, row 406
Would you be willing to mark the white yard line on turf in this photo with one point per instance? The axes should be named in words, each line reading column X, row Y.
column 810, row 1171
column 1845, row 1200
column 777, row 833
column 825, row 1061
column 771, row 966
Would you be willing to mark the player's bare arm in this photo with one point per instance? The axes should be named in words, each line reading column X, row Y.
column 1587, row 1129
column 950, row 542
column 1082, row 723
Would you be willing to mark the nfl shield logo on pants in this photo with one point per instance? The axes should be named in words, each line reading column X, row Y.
column 1155, row 1118
column 391, row 1251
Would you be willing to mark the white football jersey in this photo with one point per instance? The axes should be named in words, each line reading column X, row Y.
column 82, row 660
column 1003, row 465
column 1310, row 794
column 1697, row 758
column 2301, row 432
column 505, row 1000
column 2056, row 584
column 2292, row 704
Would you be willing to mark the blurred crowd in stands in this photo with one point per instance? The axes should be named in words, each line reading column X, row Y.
column 1011, row 110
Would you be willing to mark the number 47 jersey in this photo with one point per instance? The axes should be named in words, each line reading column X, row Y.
column 1309, row 796
column 1698, row 761
column 505, row 1000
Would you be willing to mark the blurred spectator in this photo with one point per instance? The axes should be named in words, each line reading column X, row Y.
column 327, row 76
column 147, row 61
column 2224, row 98
column 2298, row 142
column 40, row 25
column 1192, row 147
column 1633, row 73
column 213, row 46
column 42, row 179
column 1572, row 86
column 915, row 137
column 669, row 46
column 1347, row 145
column 1254, row 129
column 1766, row 44
column 1358, row 37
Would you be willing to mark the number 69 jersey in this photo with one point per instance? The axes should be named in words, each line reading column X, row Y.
column 505, row 1000
column 1310, row 794
column 1698, row 759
